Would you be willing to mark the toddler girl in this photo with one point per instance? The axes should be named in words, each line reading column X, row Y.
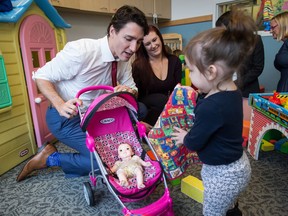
column 212, row 57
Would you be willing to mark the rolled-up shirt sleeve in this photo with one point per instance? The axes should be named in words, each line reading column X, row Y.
column 64, row 66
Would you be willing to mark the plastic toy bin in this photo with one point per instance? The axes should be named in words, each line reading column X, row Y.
column 276, row 112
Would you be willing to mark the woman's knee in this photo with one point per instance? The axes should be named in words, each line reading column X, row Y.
column 142, row 110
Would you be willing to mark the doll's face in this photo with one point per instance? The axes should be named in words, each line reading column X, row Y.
column 125, row 151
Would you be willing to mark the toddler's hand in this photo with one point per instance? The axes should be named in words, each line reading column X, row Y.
column 178, row 136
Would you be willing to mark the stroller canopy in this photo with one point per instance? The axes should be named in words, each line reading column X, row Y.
column 107, row 102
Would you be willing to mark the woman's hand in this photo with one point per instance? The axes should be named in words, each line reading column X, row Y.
column 178, row 136
column 148, row 127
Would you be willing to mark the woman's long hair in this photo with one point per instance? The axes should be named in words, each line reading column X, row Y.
column 141, row 67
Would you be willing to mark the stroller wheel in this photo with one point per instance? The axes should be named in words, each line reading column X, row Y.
column 88, row 193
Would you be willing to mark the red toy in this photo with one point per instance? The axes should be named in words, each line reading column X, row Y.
column 275, row 98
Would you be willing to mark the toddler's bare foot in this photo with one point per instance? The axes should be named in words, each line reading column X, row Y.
column 140, row 186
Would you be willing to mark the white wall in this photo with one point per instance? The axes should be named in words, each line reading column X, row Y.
column 94, row 26
column 85, row 25
column 182, row 9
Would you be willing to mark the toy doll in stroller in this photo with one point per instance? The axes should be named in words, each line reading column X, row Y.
column 109, row 121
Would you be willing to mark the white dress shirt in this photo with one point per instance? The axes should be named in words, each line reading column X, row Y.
column 83, row 63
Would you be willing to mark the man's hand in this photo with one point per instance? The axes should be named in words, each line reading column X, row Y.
column 69, row 108
column 122, row 88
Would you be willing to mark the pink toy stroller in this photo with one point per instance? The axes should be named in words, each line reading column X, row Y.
column 111, row 119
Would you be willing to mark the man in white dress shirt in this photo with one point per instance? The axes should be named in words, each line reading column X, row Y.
column 80, row 64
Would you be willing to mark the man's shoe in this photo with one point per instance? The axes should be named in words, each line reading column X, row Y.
column 37, row 162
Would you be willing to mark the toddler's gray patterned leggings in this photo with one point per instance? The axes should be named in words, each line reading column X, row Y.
column 223, row 184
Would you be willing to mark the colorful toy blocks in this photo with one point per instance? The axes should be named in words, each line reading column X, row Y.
column 245, row 141
column 279, row 143
column 266, row 146
column 284, row 148
column 176, row 181
column 246, row 128
column 193, row 187
column 151, row 155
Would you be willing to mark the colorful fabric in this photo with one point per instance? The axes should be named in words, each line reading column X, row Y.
column 179, row 111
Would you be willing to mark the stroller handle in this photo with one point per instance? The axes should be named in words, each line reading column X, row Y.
column 90, row 88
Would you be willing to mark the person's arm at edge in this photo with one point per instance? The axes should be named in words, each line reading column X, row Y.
column 178, row 70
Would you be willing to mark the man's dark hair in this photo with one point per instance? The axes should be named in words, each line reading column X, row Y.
column 127, row 14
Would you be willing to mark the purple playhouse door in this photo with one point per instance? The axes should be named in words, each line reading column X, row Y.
column 38, row 46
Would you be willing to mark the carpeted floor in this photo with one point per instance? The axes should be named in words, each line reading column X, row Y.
column 48, row 192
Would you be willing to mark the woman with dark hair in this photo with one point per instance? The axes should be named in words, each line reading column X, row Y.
column 155, row 73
